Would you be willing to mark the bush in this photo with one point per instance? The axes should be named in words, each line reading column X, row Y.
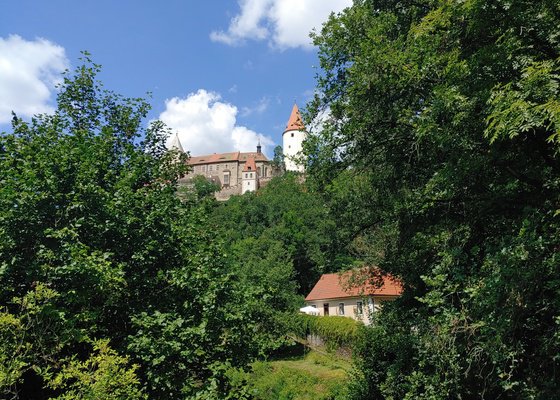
column 335, row 331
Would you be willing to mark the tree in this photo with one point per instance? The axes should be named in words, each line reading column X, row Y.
column 278, row 160
column 450, row 111
column 88, row 209
column 285, row 212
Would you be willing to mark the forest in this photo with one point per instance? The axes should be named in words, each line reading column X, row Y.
column 433, row 153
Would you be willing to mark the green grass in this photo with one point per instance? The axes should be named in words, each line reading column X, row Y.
column 313, row 376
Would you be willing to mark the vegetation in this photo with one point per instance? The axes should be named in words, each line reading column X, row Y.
column 102, row 267
column 438, row 162
column 313, row 376
column 334, row 331
column 448, row 113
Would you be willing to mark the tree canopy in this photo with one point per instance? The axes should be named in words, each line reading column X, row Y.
column 102, row 267
column 449, row 111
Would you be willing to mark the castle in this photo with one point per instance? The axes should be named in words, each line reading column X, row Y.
column 237, row 172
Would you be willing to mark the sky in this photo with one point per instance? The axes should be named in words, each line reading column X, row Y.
column 222, row 74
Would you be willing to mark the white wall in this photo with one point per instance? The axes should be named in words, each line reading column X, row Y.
column 249, row 182
column 351, row 306
column 292, row 145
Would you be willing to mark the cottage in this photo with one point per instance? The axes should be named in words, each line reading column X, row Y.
column 355, row 294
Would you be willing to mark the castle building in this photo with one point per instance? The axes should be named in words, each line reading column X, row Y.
column 227, row 169
column 292, row 141
column 240, row 172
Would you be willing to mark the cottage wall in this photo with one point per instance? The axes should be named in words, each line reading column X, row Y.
column 350, row 306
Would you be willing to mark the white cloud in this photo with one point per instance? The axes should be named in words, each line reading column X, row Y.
column 284, row 23
column 260, row 107
column 29, row 71
column 248, row 24
column 207, row 125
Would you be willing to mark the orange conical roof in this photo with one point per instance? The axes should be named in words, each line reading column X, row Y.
column 295, row 122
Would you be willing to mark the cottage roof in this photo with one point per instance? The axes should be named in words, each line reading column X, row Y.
column 225, row 157
column 250, row 165
column 365, row 282
column 295, row 122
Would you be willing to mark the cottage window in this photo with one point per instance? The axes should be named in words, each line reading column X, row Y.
column 209, row 168
column 226, row 178
column 359, row 308
column 340, row 308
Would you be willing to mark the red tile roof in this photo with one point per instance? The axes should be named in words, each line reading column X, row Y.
column 225, row 157
column 295, row 122
column 214, row 158
column 256, row 156
column 250, row 165
column 351, row 284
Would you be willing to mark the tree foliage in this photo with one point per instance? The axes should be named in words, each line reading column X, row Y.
column 448, row 111
column 286, row 219
column 89, row 213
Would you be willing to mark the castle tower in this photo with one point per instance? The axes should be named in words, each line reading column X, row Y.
column 292, row 140
column 176, row 144
column 249, row 180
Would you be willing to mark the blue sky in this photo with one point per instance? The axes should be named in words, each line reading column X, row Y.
column 222, row 73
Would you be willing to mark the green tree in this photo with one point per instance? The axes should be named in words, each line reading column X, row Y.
column 105, row 375
column 285, row 212
column 88, row 208
column 448, row 111
column 278, row 159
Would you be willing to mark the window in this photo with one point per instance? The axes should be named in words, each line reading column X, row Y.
column 204, row 168
column 209, row 168
column 292, row 134
column 246, row 176
column 226, row 179
column 218, row 167
column 326, row 309
column 359, row 308
column 340, row 308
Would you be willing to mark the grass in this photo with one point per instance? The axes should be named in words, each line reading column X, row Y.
column 312, row 376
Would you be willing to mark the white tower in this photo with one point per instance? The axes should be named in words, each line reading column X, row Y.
column 176, row 144
column 292, row 139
